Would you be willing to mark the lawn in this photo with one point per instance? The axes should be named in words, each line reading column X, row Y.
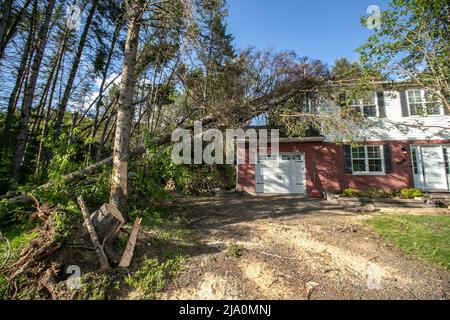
column 426, row 236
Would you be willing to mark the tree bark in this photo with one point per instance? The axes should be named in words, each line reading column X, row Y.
column 73, row 72
column 48, row 113
column 29, row 92
column 98, row 248
column 121, row 155
column 10, row 27
column 6, row 12
column 15, row 94
column 95, row 125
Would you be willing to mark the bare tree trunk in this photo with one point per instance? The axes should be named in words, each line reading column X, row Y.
column 119, row 181
column 10, row 25
column 29, row 92
column 72, row 127
column 101, row 143
column 95, row 125
column 6, row 12
column 73, row 71
column 15, row 94
column 48, row 113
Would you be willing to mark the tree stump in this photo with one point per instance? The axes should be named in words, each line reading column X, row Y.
column 107, row 222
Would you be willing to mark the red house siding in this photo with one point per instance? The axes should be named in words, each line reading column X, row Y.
column 325, row 168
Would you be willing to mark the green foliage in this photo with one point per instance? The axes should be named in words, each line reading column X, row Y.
column 13, row 213
column 151, row 174
column 424, row 236
column 235, row 250
column 152, row 276
column 19, row 236
column 411, row 193
column 64, row 225
column 412, row 43
column 368, row 193
column 351, row 193
column 94, row 286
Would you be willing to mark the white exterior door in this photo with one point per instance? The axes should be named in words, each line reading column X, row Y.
column 431, row 167
column 283, row 174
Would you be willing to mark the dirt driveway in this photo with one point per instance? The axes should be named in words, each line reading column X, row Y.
column 296, row 249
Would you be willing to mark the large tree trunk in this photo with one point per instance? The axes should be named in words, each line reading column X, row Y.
column 119, row 181
column 73, row 71
column 29, row 92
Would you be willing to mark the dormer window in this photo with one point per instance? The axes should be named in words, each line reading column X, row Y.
column 423, row 103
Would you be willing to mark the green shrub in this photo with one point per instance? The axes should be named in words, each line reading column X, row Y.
column 351, row 193
column 411, row 193
column 377, row 193
column 235, row 250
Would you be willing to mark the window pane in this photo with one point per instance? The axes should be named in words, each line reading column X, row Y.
column 374, row 152
column 359, row 165
column 375, row 165
column 370, row 111
column 358, row 153
column 414, row 96
column 433, row 108
column 430, row 96
column 369, row 99
column 416, row 109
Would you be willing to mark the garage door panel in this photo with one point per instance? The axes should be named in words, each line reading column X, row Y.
column 283, row 175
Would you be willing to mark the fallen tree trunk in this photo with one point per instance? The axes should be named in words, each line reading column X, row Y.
column 135, row 152
column 129, row 250
column 98, row 249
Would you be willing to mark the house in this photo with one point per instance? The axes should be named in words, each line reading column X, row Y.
column 407, row 145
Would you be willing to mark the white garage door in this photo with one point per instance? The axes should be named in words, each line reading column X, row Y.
column 282, row 174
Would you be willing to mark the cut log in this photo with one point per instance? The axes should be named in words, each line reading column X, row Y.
column 129, row 250
column 98, row 249
column 107, row 222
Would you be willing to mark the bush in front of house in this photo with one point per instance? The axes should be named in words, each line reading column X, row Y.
column 411, row 193
column 368, row 193
column 351, row 193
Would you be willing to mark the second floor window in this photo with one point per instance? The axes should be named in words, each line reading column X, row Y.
column 423, row 103
column 367, row 106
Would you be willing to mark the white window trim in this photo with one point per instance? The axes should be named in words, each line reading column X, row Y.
column 361, row 106
column 366, row 159
column 422, row 95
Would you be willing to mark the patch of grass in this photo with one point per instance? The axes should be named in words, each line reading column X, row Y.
column 163, row 226
column 94, row 286
column 235, row 250
column 427, row 236
column 152, row 276
column 19, row 236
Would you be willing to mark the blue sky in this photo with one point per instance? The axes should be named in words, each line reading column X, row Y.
column 321, row 29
